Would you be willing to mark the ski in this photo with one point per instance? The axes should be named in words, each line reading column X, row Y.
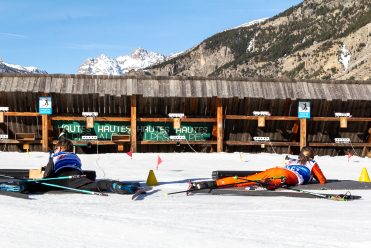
column 335, row 197
column 279, row 192
column 140, row 192
column 221, row 173
column 262, row 189
column 12, row 190
column 137, row 193
column 264, row 183
column 11, row 179
column 24, row 173
column 14, row 194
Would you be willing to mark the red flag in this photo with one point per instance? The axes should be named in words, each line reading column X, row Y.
column 159, row 161
column 349, row 155
column 130, row 153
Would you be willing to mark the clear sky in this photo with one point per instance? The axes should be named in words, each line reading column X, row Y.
column 58, row 35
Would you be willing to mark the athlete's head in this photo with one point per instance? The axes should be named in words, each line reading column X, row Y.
column 64, row 145
column 306, row 154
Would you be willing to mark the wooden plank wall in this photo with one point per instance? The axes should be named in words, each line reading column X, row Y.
column 110, row 96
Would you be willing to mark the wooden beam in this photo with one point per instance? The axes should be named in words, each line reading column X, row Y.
column 339, row 144
column 219, row 126
column 13, row 141
column 303, row 133
column 292, row 118
column 145, row 142
column 268, row 118
column 354, row 119
column 258, row 143
column 45, row 133
column 133, row 123
column 75, row 118
column 149, row 119
column 25, row 114
column 171, row 142
column 93, row 142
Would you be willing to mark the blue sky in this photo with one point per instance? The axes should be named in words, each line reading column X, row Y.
column 58, row 35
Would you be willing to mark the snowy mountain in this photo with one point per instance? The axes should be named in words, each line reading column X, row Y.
column 10, row 68
column 104, row 65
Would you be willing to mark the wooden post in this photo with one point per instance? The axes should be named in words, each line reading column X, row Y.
column 219, row 126
column 261, row 121
column 120, row 147
column 133, row 123
column 343, row 122
column 45, row 133
column 89, row 122
column 303, row 133
column 176, row 123
column 1, row 117
column 295, row 130
column 367, row 152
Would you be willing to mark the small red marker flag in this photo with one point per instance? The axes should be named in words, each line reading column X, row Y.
column 159, row 161
column 349, row 155
column 130, row 153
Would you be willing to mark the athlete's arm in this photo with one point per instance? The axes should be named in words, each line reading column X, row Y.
column 318, row 175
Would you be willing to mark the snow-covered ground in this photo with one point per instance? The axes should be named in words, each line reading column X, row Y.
column 77, row 220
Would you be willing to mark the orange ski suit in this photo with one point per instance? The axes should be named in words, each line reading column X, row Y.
column 294, row 174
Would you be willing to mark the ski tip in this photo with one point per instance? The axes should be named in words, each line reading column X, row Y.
column 166, row 195
column 139, row 192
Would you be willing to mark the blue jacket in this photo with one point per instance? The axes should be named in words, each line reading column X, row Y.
column 64, row 160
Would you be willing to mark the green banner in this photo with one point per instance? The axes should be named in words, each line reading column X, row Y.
column 158, row 131
column 146, row 131
column 103, row 131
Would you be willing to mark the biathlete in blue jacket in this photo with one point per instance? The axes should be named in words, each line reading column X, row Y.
column 64, row 162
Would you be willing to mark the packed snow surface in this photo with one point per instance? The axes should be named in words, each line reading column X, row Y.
column 78, row 220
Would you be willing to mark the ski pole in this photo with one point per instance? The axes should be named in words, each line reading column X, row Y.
column 89, row 192
column 53, row 178
column 42, row 179
column 339, row 197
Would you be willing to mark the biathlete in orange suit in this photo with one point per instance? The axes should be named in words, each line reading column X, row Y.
column 295, row 171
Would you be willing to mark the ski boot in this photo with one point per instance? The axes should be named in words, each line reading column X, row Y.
column 121, row 188
column 203, row 185
column 16, row 186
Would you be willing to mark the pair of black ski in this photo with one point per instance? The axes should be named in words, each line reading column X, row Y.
column 10, row 186
column 268, row 190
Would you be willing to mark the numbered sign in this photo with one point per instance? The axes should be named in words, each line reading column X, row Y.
column 45, row 105
column 304, row 109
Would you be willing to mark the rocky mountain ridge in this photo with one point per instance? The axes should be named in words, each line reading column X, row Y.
column 104, row 65
column 313, row 40
column 18, row 69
